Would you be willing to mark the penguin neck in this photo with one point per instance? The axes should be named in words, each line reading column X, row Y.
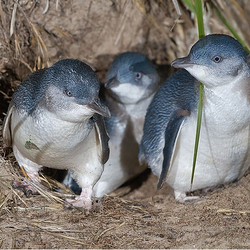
column 227, row 104
column 43, row 115
column 139, row 108
column 121, row 108
column 239, row 85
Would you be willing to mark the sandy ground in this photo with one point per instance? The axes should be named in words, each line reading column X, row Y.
column 135, row 216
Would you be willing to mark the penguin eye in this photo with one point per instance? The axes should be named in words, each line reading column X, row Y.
column 217, row 59
column 138, row 75
column 67, row 92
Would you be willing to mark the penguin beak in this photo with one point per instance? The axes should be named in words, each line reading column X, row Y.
column 183, row 62
column 112, row 82
column 99, row 108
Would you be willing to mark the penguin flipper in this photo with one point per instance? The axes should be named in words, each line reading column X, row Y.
column 171, row 134
column 103, row 138
column 7, row 139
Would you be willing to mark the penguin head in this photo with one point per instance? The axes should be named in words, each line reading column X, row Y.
column 215, row 60
column 71, row 90
column 131, row 77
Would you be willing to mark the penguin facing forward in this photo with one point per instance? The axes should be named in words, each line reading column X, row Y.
column 55, row 119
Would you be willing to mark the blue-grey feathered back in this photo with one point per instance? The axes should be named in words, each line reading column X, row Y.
column 180, row 91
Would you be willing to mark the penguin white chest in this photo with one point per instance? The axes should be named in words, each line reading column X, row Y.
column 223, row 153
column 51, row 142
column 137, row 113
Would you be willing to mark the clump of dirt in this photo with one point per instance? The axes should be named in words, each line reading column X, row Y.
column 36, row 34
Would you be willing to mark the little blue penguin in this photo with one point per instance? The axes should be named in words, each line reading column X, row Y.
column 55, row 119
column 222, row 65
column 130, row 85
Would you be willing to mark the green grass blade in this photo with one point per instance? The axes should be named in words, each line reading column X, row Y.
column 198, row 129
column 199, row 15
column 201, row 31
column 229, row 26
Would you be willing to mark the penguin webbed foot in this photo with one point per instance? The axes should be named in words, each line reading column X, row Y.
column 83, row 200
column 182, row 197
column 26, row 187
